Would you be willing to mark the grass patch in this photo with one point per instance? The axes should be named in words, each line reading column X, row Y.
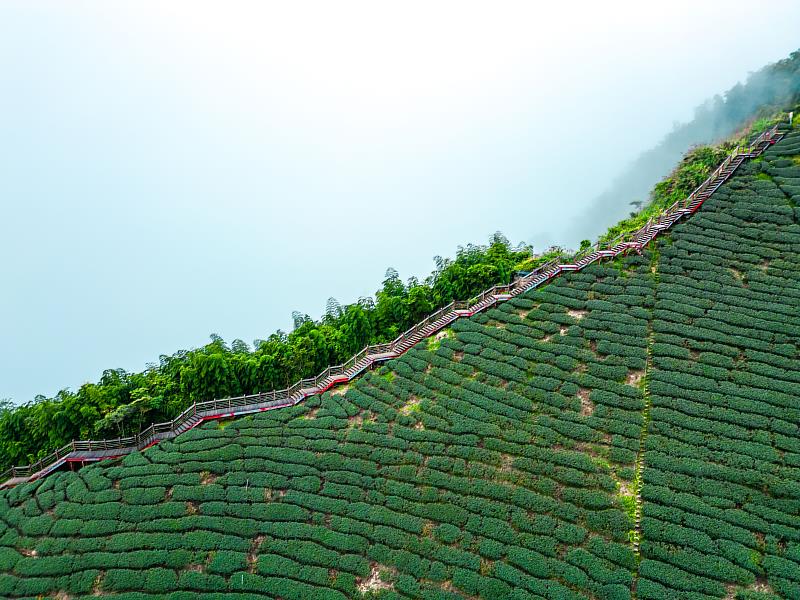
column 435, row 342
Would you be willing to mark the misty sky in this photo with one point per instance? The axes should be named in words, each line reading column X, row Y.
column 171, row 171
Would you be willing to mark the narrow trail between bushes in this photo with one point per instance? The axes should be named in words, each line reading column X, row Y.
column 638, row 480
column 81, row 452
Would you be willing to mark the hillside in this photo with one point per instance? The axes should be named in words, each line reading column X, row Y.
column 630, row 430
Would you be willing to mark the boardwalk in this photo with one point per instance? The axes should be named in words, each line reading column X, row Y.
column 85, row 451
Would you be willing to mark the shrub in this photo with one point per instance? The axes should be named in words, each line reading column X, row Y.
column 123, row 579
column 225, row 562
column 203, row 582
column 160, row 580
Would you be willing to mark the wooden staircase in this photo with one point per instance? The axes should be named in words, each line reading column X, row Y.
column 84, row 451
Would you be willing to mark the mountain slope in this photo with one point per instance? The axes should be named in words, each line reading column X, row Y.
column 502, row 460
column 722, row 481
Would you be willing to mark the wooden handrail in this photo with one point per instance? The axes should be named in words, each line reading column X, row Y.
column 370, row 355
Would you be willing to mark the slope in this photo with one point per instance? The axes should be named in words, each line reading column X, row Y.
column 501, row 460
column 722, row 483
column 629, row 235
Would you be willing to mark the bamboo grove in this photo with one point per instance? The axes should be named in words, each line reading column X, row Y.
column 122, row 403
column 628, row 431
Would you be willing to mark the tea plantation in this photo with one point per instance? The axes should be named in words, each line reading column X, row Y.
column 501, row 460
column 722, row 477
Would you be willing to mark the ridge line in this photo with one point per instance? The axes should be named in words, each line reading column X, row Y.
column 82, row 451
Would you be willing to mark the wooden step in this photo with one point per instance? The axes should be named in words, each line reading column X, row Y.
column 639, row 239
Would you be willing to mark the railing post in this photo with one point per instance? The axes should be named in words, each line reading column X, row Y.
column 539, row 275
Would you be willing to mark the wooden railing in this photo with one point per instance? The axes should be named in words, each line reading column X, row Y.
column 200, row 411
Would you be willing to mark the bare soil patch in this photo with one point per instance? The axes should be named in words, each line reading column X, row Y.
column 577, row 314
column 98, row 584
column 337, row 390
column 412, row 405
column 760, row 585
column 739, row 276
column 625, row 487
column 634, row 377
column 252, row 555
column 373, row 583
column 273, row 495
column 195, row 568
column 587, row 406
column 730, row 591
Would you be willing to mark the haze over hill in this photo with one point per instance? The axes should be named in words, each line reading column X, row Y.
column 770, row 88
column 628, row 431
column 172, row 171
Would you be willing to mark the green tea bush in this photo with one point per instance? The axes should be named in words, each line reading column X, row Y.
column 225, row 562
column 123, row 579
column 159, row 580
column 492, row 465
column 201, row 582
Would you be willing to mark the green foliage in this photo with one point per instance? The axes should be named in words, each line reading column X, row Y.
column 503, row 463
column 308, row 503
column 121, row 403
column 716, row 488
column 225, row 562
column 695, row 167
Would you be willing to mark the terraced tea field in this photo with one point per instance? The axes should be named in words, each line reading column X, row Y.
column 722, row 478
column 631, row 430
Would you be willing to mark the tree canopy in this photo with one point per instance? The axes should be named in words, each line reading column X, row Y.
column 122, row 403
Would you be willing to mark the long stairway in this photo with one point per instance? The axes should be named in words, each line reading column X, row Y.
column 84, row 451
